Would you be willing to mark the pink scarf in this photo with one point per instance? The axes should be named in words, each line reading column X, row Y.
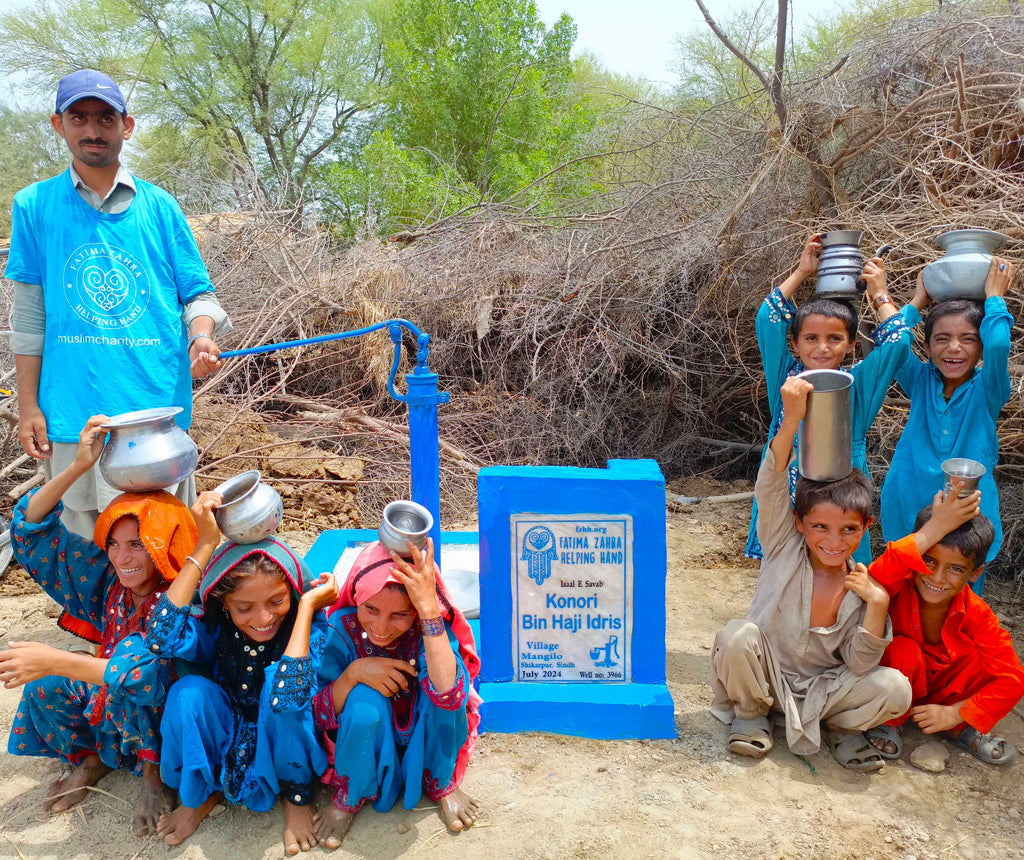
column 369, row 574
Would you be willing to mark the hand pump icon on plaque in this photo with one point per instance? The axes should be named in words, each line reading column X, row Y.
column 611, row 645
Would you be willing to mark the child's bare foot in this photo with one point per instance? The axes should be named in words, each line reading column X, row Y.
column 175, row 827
column 299, row 827
column 155, row 799
column 458, row 810
column 72, row 789
column 332, row 825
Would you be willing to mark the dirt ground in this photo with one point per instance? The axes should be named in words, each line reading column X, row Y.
column 559, row 797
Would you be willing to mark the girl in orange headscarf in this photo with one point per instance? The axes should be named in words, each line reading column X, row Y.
column 98, row 713
column 397, row 706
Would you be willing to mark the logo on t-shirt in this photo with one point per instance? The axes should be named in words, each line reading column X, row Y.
column 106, row 286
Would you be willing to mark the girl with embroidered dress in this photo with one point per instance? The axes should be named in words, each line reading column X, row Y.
column 820, row 335
column 397, row 708
column 99, row 713
column 245, row 732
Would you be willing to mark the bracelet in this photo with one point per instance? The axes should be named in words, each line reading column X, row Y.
column 196, row 563
column 431, row 626
column 883, row 299
column 194, row 338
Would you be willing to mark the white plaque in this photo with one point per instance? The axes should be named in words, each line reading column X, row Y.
column 572, row 597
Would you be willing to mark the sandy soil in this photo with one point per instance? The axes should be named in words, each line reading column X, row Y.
column 558, row 797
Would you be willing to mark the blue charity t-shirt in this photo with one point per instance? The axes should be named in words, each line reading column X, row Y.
column 114, row 288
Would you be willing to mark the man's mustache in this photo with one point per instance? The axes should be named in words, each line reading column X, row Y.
column 93, row 141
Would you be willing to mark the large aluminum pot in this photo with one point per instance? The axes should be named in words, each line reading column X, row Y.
column 147, row 451
column 825, row 446
column 840, row 265
column 403, row 522
column 250, row 510
column 962, row 271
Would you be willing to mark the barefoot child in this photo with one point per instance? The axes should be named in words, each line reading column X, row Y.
column 245, row 732
column 823, row 333
column 810, row 645
column 98, row 713
column 397, row 704
column 954, row 403
column 962, row 667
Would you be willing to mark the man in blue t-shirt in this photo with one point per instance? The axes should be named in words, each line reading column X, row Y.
column 113, row 307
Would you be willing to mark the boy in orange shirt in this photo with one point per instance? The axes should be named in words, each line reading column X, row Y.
column 963, row 670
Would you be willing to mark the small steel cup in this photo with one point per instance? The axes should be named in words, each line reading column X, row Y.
column 968, row 471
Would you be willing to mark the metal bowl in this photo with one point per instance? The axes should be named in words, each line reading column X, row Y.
column 250, row 510
column 404, row 522
column 841, row 237
column 147, row 451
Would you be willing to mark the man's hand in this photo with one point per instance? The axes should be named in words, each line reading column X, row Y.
column 32, row 433
column 204, row 356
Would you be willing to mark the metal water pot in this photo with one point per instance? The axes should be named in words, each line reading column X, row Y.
column 825, row 440
column 840, row 265
column 961, row 273
column 404, row 522
column 250, row 510
column 147, row 451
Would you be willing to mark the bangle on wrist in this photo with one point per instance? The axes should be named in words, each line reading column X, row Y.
column 196, row 337
column 878, row 301
column 432, row 626
column 202, row 569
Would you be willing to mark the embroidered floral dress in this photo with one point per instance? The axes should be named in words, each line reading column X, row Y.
column 379, row 745
column 65, row 718
column 871, row 380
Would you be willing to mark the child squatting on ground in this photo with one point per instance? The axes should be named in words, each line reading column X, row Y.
column 817, row 626
column 98, row 713
column 963, row 670
column 823, row 334
column 244, row 728
column 954, row 403
column 397, row 707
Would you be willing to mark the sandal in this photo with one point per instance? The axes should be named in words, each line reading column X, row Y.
column 887, row 735
column 982, row 746
column 751, row 737
column 854, row 752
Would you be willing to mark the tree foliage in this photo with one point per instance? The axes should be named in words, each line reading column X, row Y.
column 30, row 150
column 273, row 84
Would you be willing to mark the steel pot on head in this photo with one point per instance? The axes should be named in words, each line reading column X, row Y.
column 962, row 271
column 147, row 451
column 840, row 265
column 825, row 440
column 250, row 510
column 404, row 522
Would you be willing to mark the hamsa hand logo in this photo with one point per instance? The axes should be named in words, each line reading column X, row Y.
column 538, row 552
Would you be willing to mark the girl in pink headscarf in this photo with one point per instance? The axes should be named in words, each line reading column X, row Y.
column 397, row 707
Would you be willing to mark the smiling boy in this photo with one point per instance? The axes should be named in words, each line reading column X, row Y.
column 817, row 626
column 822, row 335
column 961, row 664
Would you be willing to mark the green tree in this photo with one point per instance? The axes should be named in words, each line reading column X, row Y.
column 30, row 150
column 480, row 84
column 274, row 85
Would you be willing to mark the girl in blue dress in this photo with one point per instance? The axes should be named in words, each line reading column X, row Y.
column 98, row 713
column 397, row 708
column 954, row 403
column 823, row 334
column 244, row 729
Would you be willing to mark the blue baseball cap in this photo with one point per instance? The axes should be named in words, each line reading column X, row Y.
column 89, row 84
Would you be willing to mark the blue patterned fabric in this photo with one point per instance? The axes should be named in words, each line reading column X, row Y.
column 871, row 380
column 384, row 747
column 62, row 718
column 937, row 429
column 246, row 730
